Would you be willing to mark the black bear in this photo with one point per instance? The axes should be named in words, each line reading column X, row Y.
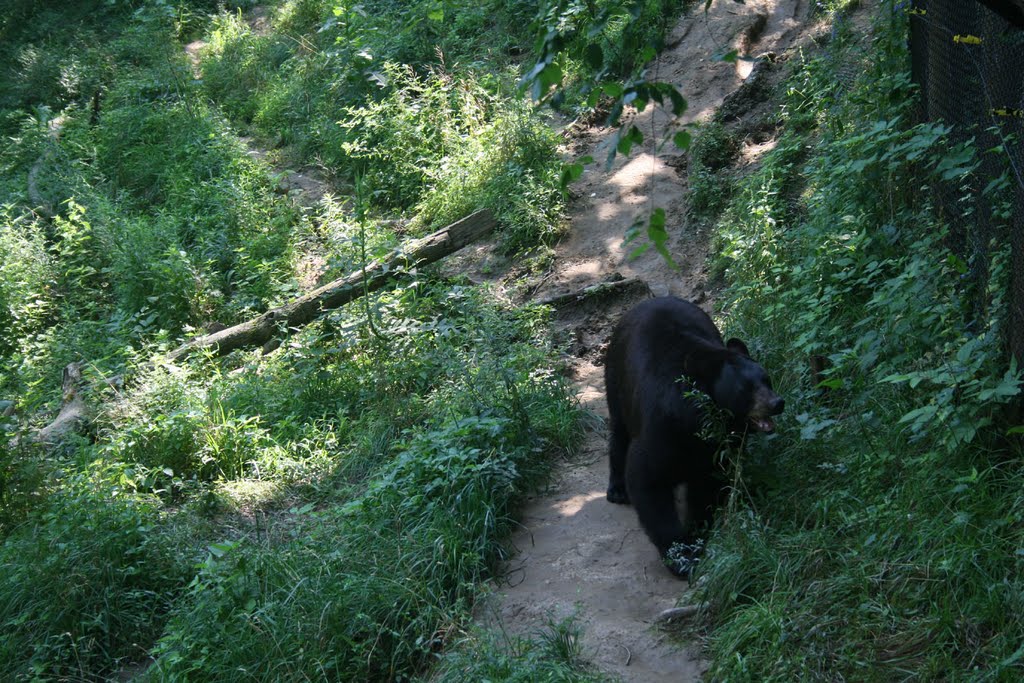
column 662, row 355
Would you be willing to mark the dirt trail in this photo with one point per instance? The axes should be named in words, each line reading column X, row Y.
column 305, row 186
column 578, row 554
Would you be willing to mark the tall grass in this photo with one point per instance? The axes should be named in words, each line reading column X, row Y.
column 553, row 654
column 86, row 583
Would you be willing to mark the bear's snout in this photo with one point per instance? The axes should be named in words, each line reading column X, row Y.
column 766, row 404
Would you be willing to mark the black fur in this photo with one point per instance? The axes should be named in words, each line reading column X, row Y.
column 655, row 445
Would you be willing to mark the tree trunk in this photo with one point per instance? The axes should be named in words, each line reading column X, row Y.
column 308, row 307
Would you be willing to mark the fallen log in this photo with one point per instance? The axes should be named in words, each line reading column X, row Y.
column 375, row 275
column 73, row 412
column 675, row 614
column 614, row 286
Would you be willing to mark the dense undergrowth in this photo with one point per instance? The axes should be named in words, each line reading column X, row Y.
column 325, row 511
column 329, row 509
column 883, row 538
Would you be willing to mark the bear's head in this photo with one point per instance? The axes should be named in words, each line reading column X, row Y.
column 737, row 383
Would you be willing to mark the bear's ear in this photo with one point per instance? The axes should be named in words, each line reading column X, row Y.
column 739, row 347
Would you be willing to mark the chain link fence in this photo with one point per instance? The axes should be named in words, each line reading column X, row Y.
column 968, row 59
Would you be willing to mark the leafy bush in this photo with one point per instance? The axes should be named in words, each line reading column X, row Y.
column 449, row 146
column 82, row 281
column 397, row 141
column 237, row 64
column 510, row 166
column 886, row 526
column 26, row 280
column 711, row 156
column 172, row 435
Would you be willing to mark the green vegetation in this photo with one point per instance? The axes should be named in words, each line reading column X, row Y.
column 382, row 464
column 552, row 655
column 883, row 539
column 601, row 50
column 87, row 581
column 328, row 509
column 428, row 437
column 711, row 156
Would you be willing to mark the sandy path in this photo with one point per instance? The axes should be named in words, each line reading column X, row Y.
column 578, row 554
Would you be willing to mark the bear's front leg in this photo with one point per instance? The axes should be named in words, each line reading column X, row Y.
column 651, row 489
column 703, row 495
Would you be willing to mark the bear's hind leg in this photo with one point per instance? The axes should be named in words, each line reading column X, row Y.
column 656, row 509
column 618, row 446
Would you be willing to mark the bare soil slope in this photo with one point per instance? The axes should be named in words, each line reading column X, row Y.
column 578, row 554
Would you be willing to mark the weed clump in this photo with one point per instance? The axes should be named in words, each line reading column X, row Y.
column 711, row 186
column 87, row 581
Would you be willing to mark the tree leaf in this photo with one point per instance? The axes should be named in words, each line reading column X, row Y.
column 658, row 235
column 613, row 89
column 639, row 251
column 221, row 549
column 633, row 136
column 570, row 173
